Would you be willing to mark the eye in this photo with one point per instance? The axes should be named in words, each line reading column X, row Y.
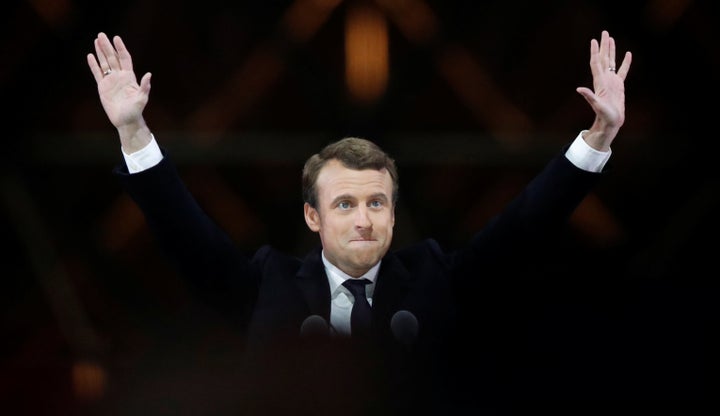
column 376, row 203
column 344, row 205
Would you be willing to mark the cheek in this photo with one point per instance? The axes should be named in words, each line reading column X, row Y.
column 386, row 222
column 335, row 226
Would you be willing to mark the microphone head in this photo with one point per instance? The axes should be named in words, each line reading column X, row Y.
column 314, row 325
column 404, row 326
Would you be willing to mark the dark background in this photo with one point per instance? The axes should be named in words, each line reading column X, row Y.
column 622, row 306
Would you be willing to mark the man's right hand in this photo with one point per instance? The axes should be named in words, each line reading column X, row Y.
column 120, row 94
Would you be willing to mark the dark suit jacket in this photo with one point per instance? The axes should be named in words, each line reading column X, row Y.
column 269, row 294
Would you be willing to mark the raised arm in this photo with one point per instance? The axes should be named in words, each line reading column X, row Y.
column 120, row 94
column 607, row 98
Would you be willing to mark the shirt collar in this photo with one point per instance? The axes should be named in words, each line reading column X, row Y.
column 336, row 277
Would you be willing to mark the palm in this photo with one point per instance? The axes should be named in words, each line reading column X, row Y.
column 121, row 97
column 610, row 98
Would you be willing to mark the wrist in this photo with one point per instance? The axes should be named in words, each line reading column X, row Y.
column 599, row 139
column 134, row 137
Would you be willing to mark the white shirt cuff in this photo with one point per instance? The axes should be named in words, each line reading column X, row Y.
column 579, row 153
column 585, row 157
column 145, row 158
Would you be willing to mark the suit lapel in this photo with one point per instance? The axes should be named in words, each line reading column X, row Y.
column 394, row 282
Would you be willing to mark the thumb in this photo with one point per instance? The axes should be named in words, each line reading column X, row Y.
column 145, row 83
column 588, row 94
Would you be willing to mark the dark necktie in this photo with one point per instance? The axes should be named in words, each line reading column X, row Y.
column 360, row 315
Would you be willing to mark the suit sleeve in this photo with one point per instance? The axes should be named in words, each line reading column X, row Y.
column 202, row 252
column 535, row 216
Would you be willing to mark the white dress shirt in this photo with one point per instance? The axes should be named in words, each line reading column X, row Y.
column 341, row 300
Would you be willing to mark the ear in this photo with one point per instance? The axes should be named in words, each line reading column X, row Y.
column 312, row 217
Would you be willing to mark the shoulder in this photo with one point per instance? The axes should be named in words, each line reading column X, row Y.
column 422, row 251
column 267, row 253
column 269, row 259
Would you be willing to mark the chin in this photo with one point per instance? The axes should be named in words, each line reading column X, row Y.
column 368, row 261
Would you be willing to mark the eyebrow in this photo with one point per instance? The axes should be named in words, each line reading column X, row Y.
column 343, row 197
column 379, row 195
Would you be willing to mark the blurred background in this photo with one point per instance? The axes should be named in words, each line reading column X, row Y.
column 470, row 97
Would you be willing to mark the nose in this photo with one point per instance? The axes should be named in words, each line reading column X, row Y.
column 362, row 218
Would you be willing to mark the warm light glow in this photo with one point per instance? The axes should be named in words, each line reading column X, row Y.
column 665, row 13
column 414, row 18
column 53, row 12
column 476, row 88
column 304, row 17
column 366, row 53
column 88, row 380
column 258, row 73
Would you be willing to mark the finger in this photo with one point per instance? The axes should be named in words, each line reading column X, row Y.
column 94, row 67
column 625, row 65
column 125, row 61
column 611, row 52
column 595, row 61
column 112, row 57
column 603, row 43
column 107, row 54
column 100, row 53
column 606, row 60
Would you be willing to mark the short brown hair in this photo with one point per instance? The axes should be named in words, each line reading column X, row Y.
column 354, row 153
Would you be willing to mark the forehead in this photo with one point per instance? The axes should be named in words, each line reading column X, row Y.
column 335, row 179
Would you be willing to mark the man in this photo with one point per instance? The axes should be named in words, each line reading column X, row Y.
column 416, row 301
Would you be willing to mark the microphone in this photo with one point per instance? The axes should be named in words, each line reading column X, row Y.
column 313, row 326
column 404, row 326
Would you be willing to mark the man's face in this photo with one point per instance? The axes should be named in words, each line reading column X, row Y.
column 355, row 216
